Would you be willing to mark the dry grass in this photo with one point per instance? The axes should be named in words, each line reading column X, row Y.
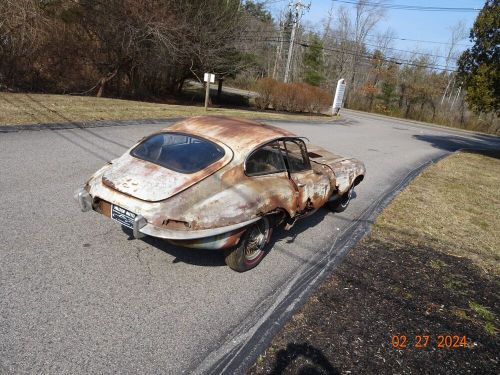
column 18, row 109
column 454, row 207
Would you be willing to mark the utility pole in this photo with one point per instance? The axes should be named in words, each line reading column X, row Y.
column 297, row 13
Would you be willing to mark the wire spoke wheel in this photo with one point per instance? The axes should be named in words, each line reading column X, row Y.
column 251, row 248
column 257, row 239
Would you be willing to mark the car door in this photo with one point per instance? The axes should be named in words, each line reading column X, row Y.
column 312, row 187
column 268, row 179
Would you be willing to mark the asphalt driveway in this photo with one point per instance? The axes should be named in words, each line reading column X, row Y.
column 78, row 295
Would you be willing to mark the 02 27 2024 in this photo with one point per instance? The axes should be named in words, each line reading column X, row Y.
column 445, row 341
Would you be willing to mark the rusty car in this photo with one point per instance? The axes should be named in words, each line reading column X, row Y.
column 220, row 183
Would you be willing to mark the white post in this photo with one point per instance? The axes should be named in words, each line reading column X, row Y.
column 207, row 93
column 338, row 100
column 208, row 78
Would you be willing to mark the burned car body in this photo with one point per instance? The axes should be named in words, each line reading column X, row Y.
column 220, row 183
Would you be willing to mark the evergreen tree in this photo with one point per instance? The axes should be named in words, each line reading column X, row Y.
column 479, row 66
column 313, row 61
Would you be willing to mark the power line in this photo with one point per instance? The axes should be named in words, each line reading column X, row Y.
column 271, row 35
column 405, row 50
column 425, row 41
column 391, row 59
column 373, row 36
column 370, row 36
column 409, row 7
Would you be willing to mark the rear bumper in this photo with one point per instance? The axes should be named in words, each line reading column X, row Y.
column 213, row 238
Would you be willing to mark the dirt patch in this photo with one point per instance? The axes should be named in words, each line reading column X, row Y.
column 381, row 291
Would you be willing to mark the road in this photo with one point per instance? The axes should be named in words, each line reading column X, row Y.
column 78, row 295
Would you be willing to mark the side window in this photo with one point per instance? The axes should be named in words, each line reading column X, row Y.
column 297, row 156
column 265, row 160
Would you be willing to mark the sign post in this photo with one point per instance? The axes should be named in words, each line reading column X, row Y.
column 338, row 100
column 208, row 78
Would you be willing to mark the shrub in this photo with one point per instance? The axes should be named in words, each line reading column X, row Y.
column 265, row 88
column 291, row 97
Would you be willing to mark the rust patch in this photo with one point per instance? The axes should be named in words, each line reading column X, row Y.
column 105, row 208
column 234, row 239
column 236, row 133
column 221, row 241
column 108, row 182
column 176, row 224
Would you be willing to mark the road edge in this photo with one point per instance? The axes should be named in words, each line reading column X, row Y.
column 84, row 124
column 420, row 124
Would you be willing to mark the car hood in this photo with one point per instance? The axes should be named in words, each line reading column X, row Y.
column 151, row 182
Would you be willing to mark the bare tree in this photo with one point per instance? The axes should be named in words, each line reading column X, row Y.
column 384, row 40
column 458, row 32
column 366, row 17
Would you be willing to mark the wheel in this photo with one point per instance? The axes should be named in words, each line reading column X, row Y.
column 341, row 204
column 251, row 248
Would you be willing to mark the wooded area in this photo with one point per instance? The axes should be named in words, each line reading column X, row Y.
column 147, row 49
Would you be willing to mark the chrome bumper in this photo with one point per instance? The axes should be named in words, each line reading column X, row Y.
column 139, row 223
column 84, row 199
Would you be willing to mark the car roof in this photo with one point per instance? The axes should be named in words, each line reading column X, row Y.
column 240, row 135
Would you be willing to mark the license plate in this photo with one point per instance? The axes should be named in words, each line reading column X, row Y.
column 123, row 216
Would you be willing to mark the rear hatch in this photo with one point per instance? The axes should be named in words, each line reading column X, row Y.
column 151, row 182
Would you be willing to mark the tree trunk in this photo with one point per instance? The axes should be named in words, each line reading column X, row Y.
column 180, row 85
column 408, row 108
column 219, row 87
column 104, row 80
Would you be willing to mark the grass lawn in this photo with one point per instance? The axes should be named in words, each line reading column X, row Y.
column 429, row 269
column 18, row 109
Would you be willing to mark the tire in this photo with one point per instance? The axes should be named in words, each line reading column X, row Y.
column 341, row 204
column 251, row 248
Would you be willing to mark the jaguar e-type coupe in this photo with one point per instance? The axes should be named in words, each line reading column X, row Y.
column 220, row 183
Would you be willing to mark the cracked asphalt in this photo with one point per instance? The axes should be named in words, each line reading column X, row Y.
column 78, row 295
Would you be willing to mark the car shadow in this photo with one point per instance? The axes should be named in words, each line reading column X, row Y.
column 196, row 257
column 280, row 234
column 215, row 258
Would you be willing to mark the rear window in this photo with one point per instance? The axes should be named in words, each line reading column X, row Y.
column 179, row 152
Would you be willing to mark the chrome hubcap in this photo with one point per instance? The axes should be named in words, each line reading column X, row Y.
column 256, row 239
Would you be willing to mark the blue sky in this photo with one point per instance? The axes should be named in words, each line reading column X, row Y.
column 431, row 26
